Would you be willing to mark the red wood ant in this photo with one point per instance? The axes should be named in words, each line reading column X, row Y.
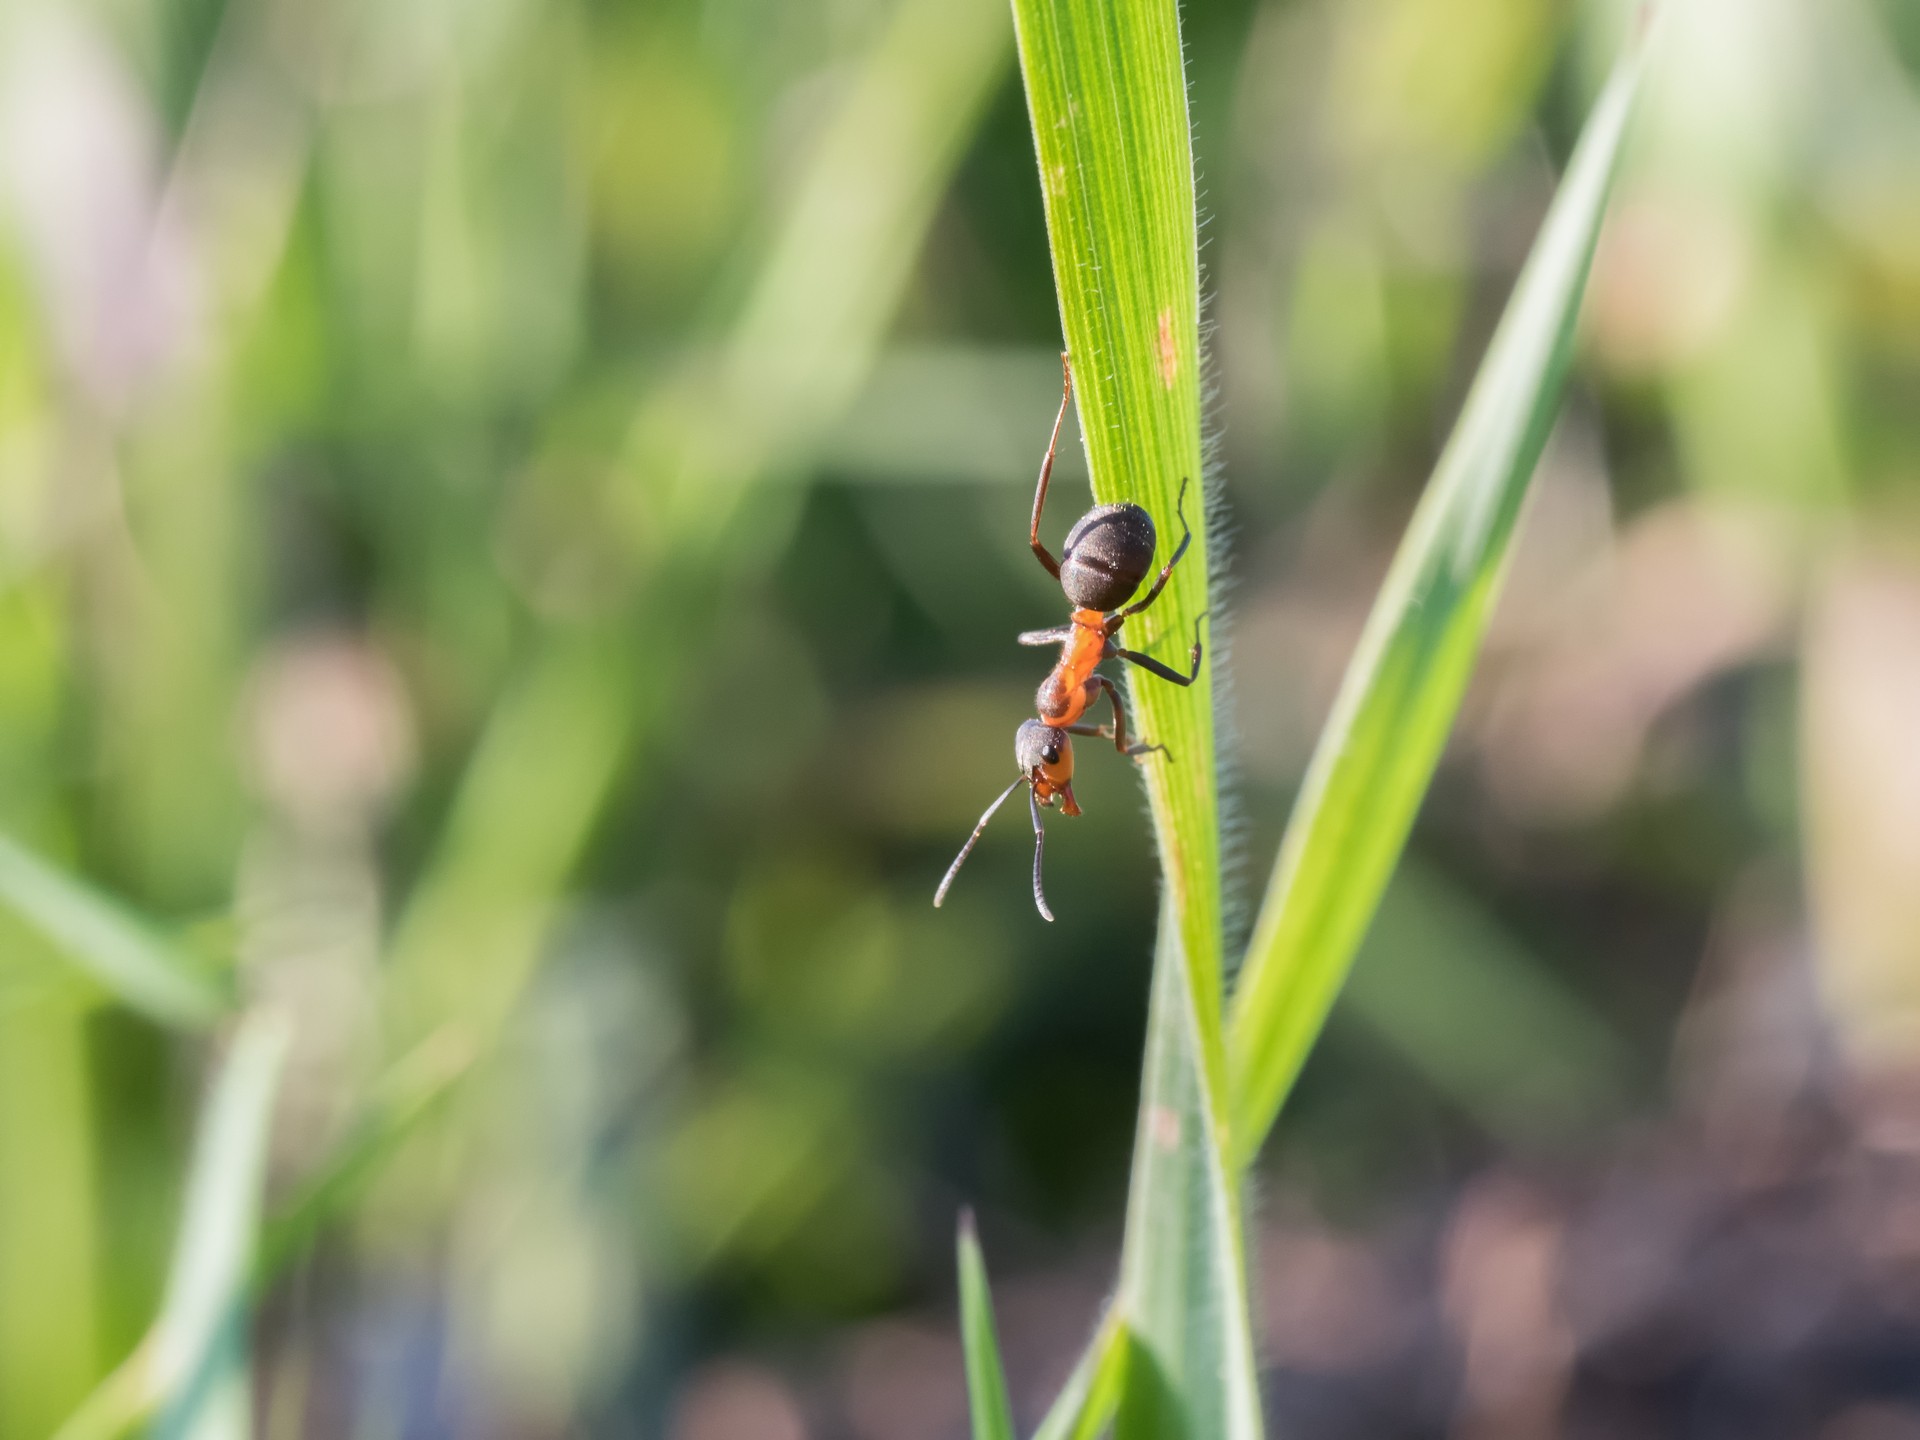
column 1108, row 553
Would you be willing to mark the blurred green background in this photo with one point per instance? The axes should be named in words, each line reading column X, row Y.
column 510, row 545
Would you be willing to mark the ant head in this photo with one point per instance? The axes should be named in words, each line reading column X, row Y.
column 1045, row 756
column 1107, row 554
column 1046, row 768
column 1043, row 751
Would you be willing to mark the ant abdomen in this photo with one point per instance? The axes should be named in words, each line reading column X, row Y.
column 1107, row 554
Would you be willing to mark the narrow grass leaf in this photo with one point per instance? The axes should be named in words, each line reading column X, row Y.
column 1088, row 1401
column 1108, row 103
column 1183, row 1270
column 187, row 1375
column 105, row 940
column 986, row 1381
column 1403, row 687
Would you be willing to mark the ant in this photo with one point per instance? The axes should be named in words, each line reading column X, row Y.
column 1108, row 553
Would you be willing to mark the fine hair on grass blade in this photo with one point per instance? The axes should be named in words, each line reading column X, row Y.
column 986, row 1381
column 187, row 1374
column 103, row 938
column 1397, row 703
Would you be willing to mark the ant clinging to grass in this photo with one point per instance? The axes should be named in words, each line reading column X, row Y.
column 1108, row 553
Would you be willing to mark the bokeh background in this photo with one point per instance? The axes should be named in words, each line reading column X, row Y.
column 510, row 543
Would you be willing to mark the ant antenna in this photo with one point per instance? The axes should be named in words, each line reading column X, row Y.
column 974, row 839
column 1039, row 845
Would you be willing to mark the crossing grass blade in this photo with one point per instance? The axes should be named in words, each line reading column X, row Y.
column 187, row 1376
column 1086, row 1404
column 1403, row 687
column 399, row 1103
column 1106, row 95
column 104, row 939
column 986, row 1381
column 1183, row 1273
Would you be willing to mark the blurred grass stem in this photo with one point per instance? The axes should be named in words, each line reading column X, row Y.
column 187, row 1371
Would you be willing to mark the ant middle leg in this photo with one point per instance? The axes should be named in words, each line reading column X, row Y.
column 1040, row 551
column 1115, row 620
column 1155, row 667
column 1116, row 732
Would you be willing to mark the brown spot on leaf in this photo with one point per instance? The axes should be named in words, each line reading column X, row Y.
column 1163, row 1124
column 1169, row 349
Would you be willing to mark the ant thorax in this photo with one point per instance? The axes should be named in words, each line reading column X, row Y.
column 1063, row 697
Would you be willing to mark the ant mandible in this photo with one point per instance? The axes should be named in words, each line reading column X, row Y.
column 1108, row 553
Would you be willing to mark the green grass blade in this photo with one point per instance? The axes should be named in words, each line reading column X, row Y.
column 1106, row 95
column 106, row 941
column 1403, row 687
column 1183, row 1272
column 470, row 935
column 1088, row 1401
column 187, row 1372
column 1108, row 103
column 986, row 1382
column 51, row 1236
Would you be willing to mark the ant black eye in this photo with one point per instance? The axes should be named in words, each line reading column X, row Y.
column 1052, row 756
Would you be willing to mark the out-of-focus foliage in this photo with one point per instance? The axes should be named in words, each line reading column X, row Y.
column 510, row 541
column 189, row 1376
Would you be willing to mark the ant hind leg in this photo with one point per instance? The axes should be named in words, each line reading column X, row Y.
column 1155, row 667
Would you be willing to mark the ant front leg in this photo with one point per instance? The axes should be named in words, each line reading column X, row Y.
column 1160, row 581
column 1155, row 667
column 1116, row 732
column 1046, row 471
